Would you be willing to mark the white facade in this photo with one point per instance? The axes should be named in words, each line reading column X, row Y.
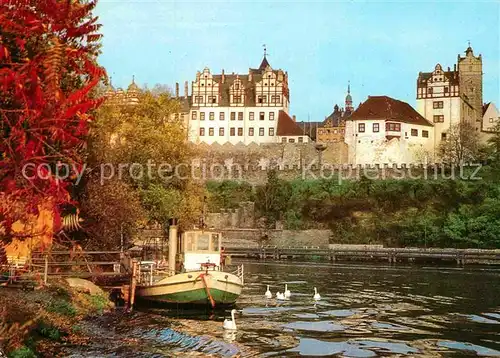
column 491, row 118
column 250, row 124
column 380, row 141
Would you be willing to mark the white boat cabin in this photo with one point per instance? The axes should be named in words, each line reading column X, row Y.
column 199, row 247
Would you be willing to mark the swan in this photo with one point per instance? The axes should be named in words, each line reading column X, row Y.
column 268, row 293
column 230, row 323
column 280, row 296
column 287, row 292
column 316, row 296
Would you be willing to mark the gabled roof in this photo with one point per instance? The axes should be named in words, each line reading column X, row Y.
column 264, row 64
column 287, row 126
column 335, row 118
column 485, row 107
column 384, row 107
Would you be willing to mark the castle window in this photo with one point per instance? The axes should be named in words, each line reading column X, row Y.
column 261, row 131
column 240, row 132
column 271, row 116
column 491, row 120
column 265, row 83
column 202, row 132
column 393, row 127
column 301, row 139
column 236, row 86
column 261, row 116
column 232, row 132
column 275, row 99
column 443, row 136
column 251, row 116
column 212, row 99
column 211, row 116
column 361, row 127
column 439, row 119
column 198, row 99
column 262, row 99
column 425, row 134
column 376, row 127
column 233, row 116
column 268, row 76
column 193, row 115
column 221, row 132
column 202, row 116
column 236, row 99
column 429, row 90
column 414, row 132
column 283, row 140
column 271, row 132
column 446, row 90
column 211, row 132
column 437, row 104
column 250, row 132
column 221, row 116
column 240, row 116
column 291, row 140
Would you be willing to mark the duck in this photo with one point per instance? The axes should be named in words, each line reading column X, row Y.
column 287, row 292
column 230, row 323
column 268, row 293
column 316, row 296
column 280, row 296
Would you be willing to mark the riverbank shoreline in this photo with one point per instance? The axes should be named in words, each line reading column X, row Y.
column 36, row 323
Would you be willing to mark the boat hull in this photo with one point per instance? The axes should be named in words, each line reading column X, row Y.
column 194, row 287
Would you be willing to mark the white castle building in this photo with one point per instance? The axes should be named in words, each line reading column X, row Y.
column 240, row 108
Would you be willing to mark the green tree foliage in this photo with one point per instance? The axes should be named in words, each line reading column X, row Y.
column 134, row 151
column 272, row 198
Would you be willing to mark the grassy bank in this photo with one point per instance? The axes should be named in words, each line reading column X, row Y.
column 35, row 323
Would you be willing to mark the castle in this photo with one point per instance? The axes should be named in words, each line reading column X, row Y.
column 240, row 108
column 253, row 109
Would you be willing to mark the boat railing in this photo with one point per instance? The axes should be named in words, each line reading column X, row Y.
column 240, row 272
column 149, row 270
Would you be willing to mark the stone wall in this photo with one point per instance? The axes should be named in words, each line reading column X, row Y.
column 280, row 238
column 242, row 217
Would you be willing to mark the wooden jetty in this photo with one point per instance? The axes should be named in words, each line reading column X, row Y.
column 391, row 255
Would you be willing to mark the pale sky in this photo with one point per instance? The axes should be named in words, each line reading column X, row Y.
column 378, row 46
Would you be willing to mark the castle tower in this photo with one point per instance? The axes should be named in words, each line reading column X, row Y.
column 348, row 99
column 470, row 70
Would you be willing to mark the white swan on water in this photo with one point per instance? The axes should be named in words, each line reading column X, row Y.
column 287, row 292
column 316, row 296
column 280, row 296
column 230, row 323
column 268, row 293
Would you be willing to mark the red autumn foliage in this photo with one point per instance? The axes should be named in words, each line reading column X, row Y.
column 48, row 70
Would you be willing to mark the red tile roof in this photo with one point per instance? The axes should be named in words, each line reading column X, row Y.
column 383, row 107
column 287, row 126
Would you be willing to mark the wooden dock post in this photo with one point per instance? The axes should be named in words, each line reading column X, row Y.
column 133, row 283
column 46, row 270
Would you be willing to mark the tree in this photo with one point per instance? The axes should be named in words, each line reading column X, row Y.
column 461, row 144
column 135, row 149
column 272, row 198
column 47, row 73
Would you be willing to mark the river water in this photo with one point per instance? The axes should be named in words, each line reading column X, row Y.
column 364, row 311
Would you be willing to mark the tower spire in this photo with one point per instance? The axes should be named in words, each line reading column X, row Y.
column 265, row 50
column 348, row 98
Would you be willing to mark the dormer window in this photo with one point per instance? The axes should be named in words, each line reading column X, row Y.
column 236, row 86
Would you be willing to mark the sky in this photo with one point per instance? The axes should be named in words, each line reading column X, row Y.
column 380, row 47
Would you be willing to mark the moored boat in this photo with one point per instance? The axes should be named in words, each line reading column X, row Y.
column 194, row 275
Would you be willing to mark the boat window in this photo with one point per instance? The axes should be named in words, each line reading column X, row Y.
column 215, row 242
column 203, row 242
column 190, row 241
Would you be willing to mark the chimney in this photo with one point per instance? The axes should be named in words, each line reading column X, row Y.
column 448, row 68
column 455, row 67
column 294, row 118
column 250, row 77
column 223, row 77
column 176, row 89
column 186, row 89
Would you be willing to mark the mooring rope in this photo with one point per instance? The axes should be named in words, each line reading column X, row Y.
column 207, row 290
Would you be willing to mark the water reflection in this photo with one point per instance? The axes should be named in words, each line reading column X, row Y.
column 365, row 311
